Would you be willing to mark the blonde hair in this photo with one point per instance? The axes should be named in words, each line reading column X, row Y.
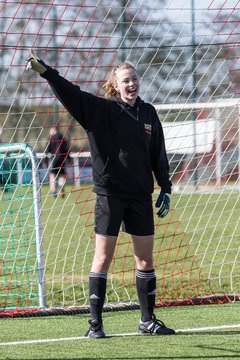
column 109, row 86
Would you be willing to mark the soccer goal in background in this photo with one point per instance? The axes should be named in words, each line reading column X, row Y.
column 21, row 244
column 188, row 59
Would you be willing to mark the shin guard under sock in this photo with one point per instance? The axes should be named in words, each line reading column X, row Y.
column 146, row 289
column 97, row 293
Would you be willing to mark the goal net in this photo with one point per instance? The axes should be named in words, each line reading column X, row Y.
column 187, row 55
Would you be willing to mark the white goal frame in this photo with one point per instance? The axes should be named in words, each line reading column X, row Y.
column 216, row 106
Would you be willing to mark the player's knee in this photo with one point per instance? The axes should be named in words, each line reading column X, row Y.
column 145, row 263
column 61, row 182
column 101, row 262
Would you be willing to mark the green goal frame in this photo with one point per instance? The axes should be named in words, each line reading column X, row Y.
column 22, row 280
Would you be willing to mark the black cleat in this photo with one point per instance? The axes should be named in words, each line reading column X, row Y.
column 96, row 330
column 154, row 327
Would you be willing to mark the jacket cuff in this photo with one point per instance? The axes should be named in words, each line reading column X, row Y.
column 49, row 73
column 167, row 189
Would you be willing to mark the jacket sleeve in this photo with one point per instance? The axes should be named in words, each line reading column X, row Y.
column 81, row 105
column 160, row 164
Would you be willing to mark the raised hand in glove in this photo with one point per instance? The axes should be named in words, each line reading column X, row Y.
column 35, row 63
column 163, row 203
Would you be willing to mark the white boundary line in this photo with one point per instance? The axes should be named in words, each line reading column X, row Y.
column 178, row 331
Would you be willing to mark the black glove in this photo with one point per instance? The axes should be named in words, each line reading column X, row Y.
column 36, row 64
column 163, row 203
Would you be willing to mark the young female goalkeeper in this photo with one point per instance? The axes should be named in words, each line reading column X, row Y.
column 127, row 147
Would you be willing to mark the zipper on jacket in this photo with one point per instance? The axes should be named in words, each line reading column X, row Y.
column 138, row 120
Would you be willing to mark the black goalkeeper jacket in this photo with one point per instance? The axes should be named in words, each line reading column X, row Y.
column 127, row 143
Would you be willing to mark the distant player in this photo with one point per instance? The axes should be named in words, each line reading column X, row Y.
column 127, row 147
column 57, row 148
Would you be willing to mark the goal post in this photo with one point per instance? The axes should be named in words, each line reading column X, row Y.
column 206, row 206
column 196, row 250
column 21, row 246
column 187, row 56
column 203, row 135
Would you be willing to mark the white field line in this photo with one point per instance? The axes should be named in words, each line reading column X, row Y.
column 178, row 331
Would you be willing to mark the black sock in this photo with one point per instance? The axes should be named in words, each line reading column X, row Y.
column 97, row 292
column 146, row 289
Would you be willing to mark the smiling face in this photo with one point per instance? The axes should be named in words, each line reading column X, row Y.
column 127, row 84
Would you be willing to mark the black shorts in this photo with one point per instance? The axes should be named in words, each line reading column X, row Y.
column 57, row 165
column 135, row 216
column 58, row 171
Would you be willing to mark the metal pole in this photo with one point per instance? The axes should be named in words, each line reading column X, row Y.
column 194, row 80
column 123, row 30
column 194, row 93
column 38, row 225
column 218, row 146
column 55, row 59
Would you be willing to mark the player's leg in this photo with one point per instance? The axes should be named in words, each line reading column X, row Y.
column 140, row 223
column 104, row 251
column 53, row 183
column 108, row 217
column 145, row 274
column 61, row 183
column 146, row 287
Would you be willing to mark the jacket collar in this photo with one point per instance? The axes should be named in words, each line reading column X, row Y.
column 123, row 103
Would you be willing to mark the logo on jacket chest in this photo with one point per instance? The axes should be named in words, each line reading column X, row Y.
column 148, row 129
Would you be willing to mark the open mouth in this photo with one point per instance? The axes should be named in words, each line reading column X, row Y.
column 132, row 91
